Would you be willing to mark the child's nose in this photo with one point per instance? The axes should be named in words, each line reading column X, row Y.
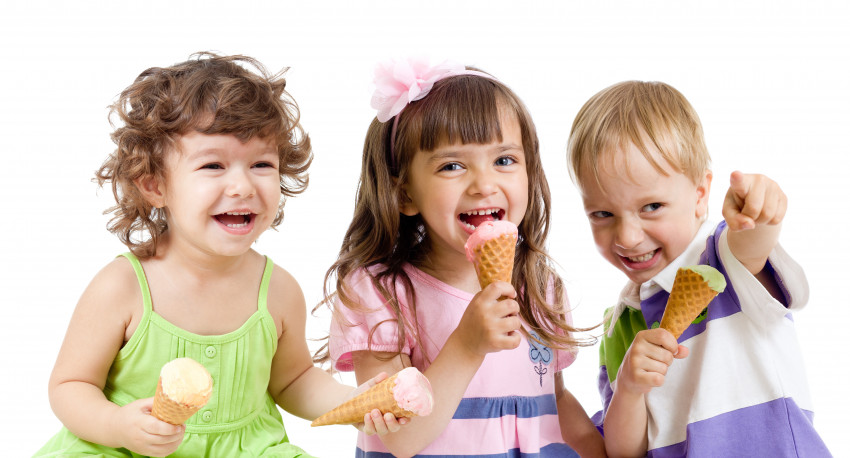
column 483, row 183
column 629, row 233
column 240, row 185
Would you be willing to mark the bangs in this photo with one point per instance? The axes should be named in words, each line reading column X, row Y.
column 653, row 116
column 461, row 109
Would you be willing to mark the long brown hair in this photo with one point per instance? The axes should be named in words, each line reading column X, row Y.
column 464, row 109
column 209, row 94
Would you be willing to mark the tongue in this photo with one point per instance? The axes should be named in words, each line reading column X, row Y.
column 476, row 220
column 230, row 219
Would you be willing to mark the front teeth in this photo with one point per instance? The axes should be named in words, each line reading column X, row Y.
column 489, row 211
column 641, row 258
column 237, row 225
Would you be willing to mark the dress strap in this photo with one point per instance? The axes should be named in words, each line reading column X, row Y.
column 262, row 298
column 143, row 281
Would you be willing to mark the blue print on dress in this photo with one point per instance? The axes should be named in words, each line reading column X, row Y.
column 540, row 354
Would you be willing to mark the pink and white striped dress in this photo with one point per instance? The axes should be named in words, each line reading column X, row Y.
column 509, row 407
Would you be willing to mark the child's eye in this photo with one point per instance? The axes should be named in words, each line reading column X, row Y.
column 505, row 160
column 265, row 165
column 450, row 167
column 213, row 166
column 601, row 214
column 651, row 207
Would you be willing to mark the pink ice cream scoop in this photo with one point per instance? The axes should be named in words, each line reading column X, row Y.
column 412, row 392
column 486, row 231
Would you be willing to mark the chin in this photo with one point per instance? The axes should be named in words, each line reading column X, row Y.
column 641, row 276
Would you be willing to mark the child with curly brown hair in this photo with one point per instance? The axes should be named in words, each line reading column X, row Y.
column 206, row 151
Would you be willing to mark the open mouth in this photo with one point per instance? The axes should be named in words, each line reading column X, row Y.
column 474, row 218
column 641, row 258
column 235, row 220
column 641, row 261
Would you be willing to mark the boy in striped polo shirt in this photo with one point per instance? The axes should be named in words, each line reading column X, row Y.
column 737, row 387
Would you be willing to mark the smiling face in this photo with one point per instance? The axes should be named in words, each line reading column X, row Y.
column 644, row 219
column 456, row 187
column 220, row 194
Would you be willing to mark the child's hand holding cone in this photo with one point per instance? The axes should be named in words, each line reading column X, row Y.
column 405, row 394
column 491, row 321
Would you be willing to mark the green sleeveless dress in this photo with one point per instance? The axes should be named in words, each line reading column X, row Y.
column 240, row 419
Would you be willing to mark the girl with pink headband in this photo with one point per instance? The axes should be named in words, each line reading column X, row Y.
column 451, row 148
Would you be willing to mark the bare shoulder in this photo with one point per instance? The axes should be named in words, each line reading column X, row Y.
column 285, row 301
column 100, row 325
column 114, row 290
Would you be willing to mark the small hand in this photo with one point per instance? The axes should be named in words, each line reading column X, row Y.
column 646, row 362
column 375, row 423
column 753, row 199
column 145, row 434
column 491, row 321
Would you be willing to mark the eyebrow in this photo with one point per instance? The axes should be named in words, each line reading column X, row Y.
column 214, row 151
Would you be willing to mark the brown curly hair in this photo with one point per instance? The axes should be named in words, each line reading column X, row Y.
column 464, row 109
column 209, row 94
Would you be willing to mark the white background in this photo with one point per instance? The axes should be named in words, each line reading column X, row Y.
column 769, row 80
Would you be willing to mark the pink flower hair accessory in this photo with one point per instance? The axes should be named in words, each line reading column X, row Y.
column 399, row 82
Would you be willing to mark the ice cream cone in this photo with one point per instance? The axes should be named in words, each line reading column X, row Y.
column 491, row 250
column 413, row 391
column 184, row 387
column 693, row 289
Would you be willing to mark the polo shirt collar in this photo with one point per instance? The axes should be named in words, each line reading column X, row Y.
column 632, row 294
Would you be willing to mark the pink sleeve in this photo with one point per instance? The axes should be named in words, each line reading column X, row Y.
column 351, row 331
column 563, row 358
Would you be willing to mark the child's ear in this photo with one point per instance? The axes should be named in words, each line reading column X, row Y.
column 405, row 204
column 152, row 189
column 703, row 190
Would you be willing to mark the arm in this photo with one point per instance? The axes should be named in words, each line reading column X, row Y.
column 488, row 325
column 753, row 209
column 297, row 385
column 576, row 428
column 644, row 367
column 94, row 337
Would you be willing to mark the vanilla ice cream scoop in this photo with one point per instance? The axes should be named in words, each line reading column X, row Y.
column 184, row 387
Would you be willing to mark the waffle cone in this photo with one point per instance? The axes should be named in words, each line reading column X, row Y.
column 690, row 295
column 494, row 259
column 378, row 397
column 169, row 410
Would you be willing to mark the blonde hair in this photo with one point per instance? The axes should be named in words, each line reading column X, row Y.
column 650, row 115
column 209, row 94
column 459, row 109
